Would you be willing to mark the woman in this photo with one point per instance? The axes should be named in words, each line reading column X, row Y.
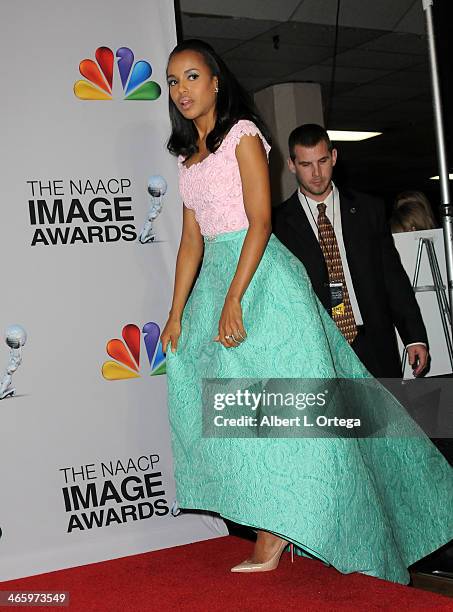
column 252, row 314
column 412, row 212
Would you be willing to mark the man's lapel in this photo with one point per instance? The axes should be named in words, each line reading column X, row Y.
column 350, row 225
column 311, row 254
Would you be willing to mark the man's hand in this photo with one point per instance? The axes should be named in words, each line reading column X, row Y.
column 418, row 358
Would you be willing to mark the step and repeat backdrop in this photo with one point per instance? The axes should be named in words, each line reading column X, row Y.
column 91, row 220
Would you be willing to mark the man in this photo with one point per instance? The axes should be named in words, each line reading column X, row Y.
column 344, row 241
column 374, row 285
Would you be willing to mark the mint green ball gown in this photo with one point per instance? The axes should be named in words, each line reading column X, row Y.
column 370, row 505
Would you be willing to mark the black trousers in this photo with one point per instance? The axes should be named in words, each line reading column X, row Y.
column 380, row 368
column 379, row 365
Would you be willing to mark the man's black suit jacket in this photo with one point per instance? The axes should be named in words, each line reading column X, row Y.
column 383, row 290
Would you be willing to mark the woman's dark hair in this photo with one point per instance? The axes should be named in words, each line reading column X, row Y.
column 233, row 104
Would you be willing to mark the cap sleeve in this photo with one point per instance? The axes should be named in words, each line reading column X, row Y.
column 242, row 128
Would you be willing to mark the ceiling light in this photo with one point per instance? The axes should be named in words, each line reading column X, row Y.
column 436, row 178
column 347, row 135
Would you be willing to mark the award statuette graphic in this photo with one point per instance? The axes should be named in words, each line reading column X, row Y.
column 157, row 187
column 15, row 337
column 175, row 511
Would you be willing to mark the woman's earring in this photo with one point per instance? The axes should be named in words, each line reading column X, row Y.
column 216, row 90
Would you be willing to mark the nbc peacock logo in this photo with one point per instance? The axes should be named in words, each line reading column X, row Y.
column 134, row 76
column 127, row 353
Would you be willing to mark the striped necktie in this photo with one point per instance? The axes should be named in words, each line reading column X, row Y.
column 342, row 314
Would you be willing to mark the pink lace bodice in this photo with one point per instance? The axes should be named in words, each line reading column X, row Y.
column 212, row 188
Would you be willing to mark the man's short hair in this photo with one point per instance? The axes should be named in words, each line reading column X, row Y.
column 308, row 135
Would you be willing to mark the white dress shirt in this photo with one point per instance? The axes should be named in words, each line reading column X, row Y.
column 333, row 213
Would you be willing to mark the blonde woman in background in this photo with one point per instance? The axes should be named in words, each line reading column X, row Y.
column 412, row 212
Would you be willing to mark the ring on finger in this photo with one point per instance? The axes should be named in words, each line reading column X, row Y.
column 231, row 338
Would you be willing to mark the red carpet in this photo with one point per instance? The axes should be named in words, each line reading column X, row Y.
column 196, row 577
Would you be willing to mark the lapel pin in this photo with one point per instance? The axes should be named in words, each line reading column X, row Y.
column 352, row 210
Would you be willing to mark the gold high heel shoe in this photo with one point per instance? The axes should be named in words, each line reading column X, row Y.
column 267, row 566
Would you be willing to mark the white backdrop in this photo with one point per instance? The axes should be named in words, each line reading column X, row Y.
column 85, row 462
column 407, row 245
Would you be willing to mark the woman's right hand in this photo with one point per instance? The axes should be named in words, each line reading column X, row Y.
column 171, row 333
